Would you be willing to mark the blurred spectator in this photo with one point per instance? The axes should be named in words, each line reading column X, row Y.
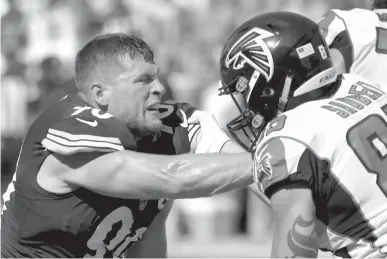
column 53, row 84
column 13, row 30
column 14, row 99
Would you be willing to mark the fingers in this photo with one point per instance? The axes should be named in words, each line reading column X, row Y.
column 194, row 118
column 201, row 117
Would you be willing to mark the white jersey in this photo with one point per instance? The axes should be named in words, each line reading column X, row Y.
column 338, row 147
column 361, row 37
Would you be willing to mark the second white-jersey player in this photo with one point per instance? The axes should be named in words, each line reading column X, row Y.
column 357, row 39
column 321, row 157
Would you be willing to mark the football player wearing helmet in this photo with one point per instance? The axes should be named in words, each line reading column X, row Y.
column 320, row 139
column 90, row 181
column 357, row 40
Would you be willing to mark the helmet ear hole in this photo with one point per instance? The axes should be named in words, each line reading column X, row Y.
column 267, row 92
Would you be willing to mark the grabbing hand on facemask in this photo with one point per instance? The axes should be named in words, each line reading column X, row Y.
column 208, row 136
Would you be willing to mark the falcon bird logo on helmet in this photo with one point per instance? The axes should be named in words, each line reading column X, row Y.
column 273, row 62
column 251, row 49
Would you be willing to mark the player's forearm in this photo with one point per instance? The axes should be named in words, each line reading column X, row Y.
column 209, row 174
column 131, row 175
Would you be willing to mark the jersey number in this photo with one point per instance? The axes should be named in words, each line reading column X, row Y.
column 368, row 139
column 94, row 111
column 381, row 40
column 114, row 234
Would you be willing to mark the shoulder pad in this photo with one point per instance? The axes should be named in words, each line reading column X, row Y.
column 331, row 25
column 297, row 124
column 88, row 129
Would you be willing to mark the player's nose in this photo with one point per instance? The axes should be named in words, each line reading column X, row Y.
column 158, row 88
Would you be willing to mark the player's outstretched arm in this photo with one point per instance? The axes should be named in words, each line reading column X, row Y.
column 128, row 174
column 209, row 137
column 295, row 223
column 233, row 147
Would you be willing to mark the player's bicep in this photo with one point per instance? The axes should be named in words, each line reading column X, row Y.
column 295, row 223
column 87, row 130
column 126, row 174
column 56, row 167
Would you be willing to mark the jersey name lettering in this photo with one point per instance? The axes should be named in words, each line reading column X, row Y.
column 360, row 95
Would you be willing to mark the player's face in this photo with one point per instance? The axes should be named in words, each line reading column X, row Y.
column 135, row 97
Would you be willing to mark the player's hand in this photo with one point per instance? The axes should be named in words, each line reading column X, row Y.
column 211, row 137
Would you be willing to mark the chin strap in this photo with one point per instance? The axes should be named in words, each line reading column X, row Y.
column 283, row 100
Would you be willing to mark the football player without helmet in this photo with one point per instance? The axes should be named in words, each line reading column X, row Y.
column 98, row 170
column 307, row 156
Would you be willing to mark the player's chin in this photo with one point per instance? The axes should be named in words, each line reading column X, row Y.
column 154, row 125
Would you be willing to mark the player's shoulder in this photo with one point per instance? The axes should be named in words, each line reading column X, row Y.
column 283, row 144
column 289, row 143
column 78, row 127
column 322, row 119
column 352, row 13
column 287, row 137
column 355, row 18
column 302, row 123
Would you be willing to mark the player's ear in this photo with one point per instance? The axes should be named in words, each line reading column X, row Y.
column 98, row 93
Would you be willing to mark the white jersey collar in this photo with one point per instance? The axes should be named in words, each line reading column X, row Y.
column 322, row 79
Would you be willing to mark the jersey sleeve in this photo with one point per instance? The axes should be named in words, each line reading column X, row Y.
column 88, row 131
column 335, row 32
column 282, row 162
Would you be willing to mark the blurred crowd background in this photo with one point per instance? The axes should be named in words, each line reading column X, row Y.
column 39, row 41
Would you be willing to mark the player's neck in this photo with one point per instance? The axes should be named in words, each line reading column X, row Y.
column 86, row 99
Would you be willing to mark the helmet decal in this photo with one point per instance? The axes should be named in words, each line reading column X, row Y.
column 251, row 49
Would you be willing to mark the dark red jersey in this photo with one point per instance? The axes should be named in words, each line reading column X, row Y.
column 38, row 223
